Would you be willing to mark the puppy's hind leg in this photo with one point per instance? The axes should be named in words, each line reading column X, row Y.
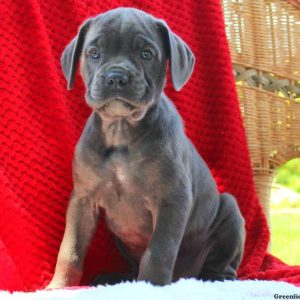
column 228, row 236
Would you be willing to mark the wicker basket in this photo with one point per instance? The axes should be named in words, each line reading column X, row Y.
column 264, row 39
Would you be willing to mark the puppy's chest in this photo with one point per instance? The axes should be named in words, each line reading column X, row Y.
column 131, row 179
column 120, row 180
column 126, row 201
column 124, row 188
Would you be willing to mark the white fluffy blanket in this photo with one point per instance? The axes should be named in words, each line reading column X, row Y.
column 184, row 289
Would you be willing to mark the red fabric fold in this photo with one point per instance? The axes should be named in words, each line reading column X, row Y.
column 40, row 122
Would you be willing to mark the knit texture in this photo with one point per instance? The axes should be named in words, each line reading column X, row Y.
column 40, row 122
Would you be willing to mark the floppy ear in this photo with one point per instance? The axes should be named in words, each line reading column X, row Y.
column 71, row 54
column 180, row 55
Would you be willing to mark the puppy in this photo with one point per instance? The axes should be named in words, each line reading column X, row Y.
column 134, row 165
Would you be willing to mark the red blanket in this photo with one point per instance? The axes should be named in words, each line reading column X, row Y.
column 40, row 122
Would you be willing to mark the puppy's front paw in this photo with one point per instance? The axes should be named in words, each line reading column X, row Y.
column 57, row 284
column 54, row 285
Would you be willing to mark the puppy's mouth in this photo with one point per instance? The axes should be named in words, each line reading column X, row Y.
column 118, row 105
column 117, row 108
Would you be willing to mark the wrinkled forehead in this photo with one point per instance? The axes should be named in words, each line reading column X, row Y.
column 124, row 25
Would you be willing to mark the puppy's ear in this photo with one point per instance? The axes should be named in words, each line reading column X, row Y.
column 181, row 57
column 71, row 54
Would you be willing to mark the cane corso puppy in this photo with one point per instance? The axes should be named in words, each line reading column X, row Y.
column 134, row 165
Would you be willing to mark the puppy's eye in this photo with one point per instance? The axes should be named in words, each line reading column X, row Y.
column 94, row 53
column 146, row 54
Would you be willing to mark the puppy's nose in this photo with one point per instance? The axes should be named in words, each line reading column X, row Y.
column 116, row 79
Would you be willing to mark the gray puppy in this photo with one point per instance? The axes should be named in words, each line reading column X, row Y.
column 135, row 166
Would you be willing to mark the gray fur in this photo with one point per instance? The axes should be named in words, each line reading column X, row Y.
column 134, row 162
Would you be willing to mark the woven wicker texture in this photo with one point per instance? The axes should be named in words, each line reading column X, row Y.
column 41, row 121
column 264, row 38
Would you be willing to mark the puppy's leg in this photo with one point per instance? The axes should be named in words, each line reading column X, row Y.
column 157, row 263
column 192, row 254
column 81, row 222
column 228, row 238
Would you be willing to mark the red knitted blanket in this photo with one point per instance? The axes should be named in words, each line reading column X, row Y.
column 40, row 122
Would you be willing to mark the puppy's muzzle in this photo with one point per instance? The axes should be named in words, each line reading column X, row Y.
column 119, row 90
column 116, row 79
column 118, row 82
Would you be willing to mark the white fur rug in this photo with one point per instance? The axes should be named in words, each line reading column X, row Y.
column 184, row 289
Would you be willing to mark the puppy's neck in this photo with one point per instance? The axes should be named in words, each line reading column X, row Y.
column 123, row 132
column 117, row 133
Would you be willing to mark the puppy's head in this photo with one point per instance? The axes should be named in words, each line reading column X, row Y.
column 123, row 55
